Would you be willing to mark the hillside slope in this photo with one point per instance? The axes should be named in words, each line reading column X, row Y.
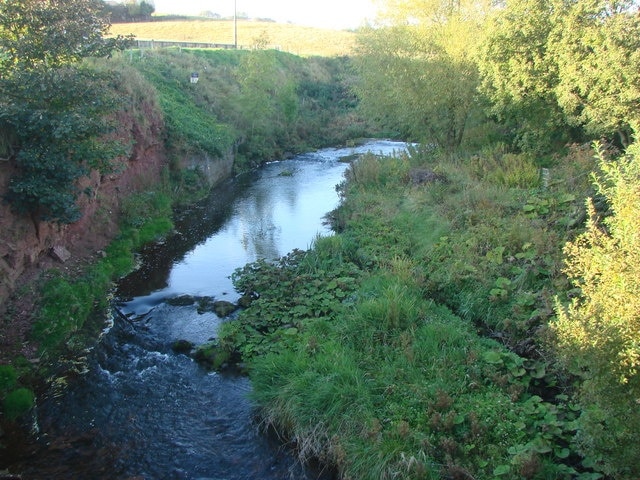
column 305, row 41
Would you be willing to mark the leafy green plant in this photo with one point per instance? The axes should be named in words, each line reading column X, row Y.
column 473, row 249
column 8, row 377
column 58, row 131
column 302, row 288
column 30, row 34
column 599, row 331
column 18, row 402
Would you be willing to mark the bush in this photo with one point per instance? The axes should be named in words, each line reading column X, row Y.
column 8, row 377
column 598, row 333
column 18, row 402
column 60, row 119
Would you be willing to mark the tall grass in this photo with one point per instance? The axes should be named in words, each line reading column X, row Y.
column 256, row 105
column 395, row 381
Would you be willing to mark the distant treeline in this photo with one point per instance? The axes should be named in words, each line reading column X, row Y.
column 129, row 11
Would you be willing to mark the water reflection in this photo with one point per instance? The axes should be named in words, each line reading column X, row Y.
column 144, row 411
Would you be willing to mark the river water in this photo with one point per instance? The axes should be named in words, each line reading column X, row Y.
column 138, row 410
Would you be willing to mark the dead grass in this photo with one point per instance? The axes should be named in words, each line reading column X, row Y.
column 299, row 40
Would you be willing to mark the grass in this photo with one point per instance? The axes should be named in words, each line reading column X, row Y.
column 18, row 402
column 393, row 379
column 66, row 303
column 257, row 105
column 299, row 40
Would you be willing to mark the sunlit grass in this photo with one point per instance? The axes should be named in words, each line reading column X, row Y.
column 299, row 40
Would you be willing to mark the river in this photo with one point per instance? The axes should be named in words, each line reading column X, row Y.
column 135, row 409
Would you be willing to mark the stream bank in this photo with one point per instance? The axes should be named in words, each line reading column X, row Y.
column 133, row 398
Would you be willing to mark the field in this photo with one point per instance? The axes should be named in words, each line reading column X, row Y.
column 299, row 40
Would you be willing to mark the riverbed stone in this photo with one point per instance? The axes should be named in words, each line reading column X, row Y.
column 182, row 301
column 221, row 308
column 211, row 356
column 205, row 304
column 182, row 346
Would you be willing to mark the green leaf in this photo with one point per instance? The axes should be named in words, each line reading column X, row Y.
column 567, row 198
column 501, row 470
column 492, row 356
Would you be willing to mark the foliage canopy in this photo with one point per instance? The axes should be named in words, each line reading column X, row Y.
column 53, row 111
column 53, row 33
column 418, row 75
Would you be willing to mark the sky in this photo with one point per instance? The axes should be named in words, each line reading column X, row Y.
column 339, row 14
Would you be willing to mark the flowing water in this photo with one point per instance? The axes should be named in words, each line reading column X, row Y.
column 136, row 409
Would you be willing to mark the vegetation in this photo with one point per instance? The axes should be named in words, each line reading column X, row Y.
column 58, row 139
column 130, row 11
column 57, row 124
column 423, row 339
column 258, row 105
column 598, row 332
column 54, row 111
column 420, row 80
column 36, row 34
column 474, row 222
column 66, row 303
column 18, row 402
column 568, row 68
column 351, row 356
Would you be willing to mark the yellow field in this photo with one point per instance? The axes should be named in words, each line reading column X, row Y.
column 295, row 39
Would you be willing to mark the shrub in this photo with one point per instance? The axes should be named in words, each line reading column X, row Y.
column 60, row 120
column 18, row 402
column 8, row 377
column 598, row 333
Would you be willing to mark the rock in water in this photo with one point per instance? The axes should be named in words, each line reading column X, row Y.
column 182, row 346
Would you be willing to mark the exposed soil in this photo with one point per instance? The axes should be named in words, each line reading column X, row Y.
column 25, row 248
column 17, row 311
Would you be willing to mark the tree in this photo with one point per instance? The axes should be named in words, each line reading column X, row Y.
column 550, row 66
column 52, row 33
column 518, row 75
column 52, row 110
column 267, row 101
column 139, row 10
column 418, row 72
column 596, row 46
